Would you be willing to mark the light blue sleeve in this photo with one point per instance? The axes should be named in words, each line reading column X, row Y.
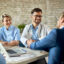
column 47, row 42
column 0, row 34
column 2, row 59
column 17, row 34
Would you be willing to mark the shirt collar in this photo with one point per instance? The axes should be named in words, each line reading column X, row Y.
column 31, row 26
column 8, row 28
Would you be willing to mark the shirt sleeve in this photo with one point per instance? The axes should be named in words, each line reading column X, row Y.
column 23, row 38
column 47, row 42
column 17, row 34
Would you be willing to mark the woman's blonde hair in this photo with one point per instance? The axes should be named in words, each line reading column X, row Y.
column 6, row 15
column 58, row 23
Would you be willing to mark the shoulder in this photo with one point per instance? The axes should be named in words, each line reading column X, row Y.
column 28, row 25
column 54, row 31
column 52, row 34
column 15, row 28
column 44, row 26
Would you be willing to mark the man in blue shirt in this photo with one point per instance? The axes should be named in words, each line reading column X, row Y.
column 9, row 35
column 2, row 60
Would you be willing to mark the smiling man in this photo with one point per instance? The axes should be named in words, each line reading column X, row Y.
column 36, row 30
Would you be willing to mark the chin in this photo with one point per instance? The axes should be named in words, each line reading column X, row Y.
column 8, row 25
column 37, row 22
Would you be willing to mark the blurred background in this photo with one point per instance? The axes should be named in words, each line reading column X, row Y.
column 20, row 10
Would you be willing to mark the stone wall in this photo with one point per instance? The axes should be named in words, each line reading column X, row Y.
column 20, row 10
column 53, row 12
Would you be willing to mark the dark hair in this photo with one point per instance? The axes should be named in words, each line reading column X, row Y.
column 5, row 15
column 36, row 10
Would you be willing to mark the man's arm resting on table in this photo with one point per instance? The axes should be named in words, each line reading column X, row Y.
column 13, row 43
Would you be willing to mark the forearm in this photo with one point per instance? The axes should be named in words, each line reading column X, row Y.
column 44, row 43
column 1, row 41
column 4, row 43
column 13, row 43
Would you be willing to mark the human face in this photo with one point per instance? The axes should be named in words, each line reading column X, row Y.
column 61, row 22
column 7, row 22
column 36, row 17
column 62, row 19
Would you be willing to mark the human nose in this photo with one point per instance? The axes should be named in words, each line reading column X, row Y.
column 38, row 17
column 8, row 21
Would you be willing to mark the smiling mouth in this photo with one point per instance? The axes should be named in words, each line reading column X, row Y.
column 38, row 19
column 7, row 24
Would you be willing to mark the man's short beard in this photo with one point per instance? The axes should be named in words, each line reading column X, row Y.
column 37, row 22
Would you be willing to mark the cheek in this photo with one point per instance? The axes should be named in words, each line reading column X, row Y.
column 10, row 22
column 4, row 23
column 38, row 18
column 33, row 18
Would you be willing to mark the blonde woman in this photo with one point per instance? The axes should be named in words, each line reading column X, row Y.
column 9, row 35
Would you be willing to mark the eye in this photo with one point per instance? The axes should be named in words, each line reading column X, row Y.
column 6, row 21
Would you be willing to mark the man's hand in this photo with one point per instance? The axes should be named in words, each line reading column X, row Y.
column 29, row 42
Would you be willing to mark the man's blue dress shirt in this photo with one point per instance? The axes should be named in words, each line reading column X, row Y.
column 34, row 32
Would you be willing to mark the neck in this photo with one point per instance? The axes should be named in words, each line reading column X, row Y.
column 35, row 25
column 7, row 27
